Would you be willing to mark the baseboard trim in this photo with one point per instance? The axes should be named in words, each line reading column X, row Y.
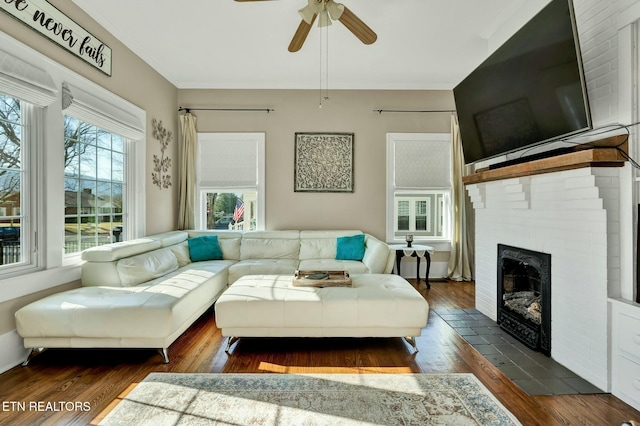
column 12, row 351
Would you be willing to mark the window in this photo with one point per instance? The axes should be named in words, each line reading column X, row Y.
column 419, row 186
column 38, row 164
column 14, row 166
column 230, row 176
column 420, row 214
column 103, row 170
column 230, row 210
column 94, row 185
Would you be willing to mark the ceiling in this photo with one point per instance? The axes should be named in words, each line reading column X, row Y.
column 422, row 44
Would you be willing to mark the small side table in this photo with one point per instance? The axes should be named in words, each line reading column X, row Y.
column 417, row 251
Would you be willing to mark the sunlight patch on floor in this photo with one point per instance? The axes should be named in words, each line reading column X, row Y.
column 288, row 369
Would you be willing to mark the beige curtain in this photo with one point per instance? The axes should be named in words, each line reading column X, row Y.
column 461, row 260
column 186, row 216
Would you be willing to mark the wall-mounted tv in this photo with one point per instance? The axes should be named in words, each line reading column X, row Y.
column 529, row 91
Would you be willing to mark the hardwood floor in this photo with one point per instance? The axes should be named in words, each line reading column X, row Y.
column 78, row 387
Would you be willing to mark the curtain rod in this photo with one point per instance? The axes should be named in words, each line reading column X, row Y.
column 267, row 110
column 380, row 111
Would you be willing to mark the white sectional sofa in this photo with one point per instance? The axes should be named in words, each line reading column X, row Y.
column 146, row 292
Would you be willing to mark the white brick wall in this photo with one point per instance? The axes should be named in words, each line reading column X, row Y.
column 574, row 216
column 598, row 32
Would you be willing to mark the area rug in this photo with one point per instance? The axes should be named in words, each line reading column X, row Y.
column 309, row 399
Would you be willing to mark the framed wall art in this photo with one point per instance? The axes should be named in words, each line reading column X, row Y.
column 323, row 162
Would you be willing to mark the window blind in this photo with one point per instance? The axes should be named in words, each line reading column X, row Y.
column 228, row 163
column 92, row 109
column 422, row 164
column 25, row 81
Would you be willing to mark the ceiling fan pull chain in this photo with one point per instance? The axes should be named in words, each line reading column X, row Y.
column 324, row 31
column 326, row 97
column 320, row 71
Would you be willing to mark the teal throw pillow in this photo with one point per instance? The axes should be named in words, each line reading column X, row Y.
column 205, row 247
column 350, row 248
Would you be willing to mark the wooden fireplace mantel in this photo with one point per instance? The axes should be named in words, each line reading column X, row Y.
column 601, row 153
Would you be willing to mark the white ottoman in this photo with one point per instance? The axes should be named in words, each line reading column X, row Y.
column 377, row 305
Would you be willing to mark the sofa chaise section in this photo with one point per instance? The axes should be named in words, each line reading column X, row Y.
column 144, row 316
column 138, row 294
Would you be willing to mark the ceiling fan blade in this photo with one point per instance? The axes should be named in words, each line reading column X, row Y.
column 357, row 27
column 301, row 35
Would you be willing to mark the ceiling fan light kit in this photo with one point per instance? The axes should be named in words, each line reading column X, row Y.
column 321, row 8
column 327, row 11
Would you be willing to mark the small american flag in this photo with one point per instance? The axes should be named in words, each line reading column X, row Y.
column 238, row 211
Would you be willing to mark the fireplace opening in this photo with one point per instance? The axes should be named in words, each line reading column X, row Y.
column 524, row 296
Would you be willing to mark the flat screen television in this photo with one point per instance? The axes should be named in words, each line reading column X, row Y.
column 529, row 91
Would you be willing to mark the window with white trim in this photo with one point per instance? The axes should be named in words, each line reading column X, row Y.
column 25, row 93
column 101, row 144
column 230, row 210
column 37, row 157
column 418, row 186
column 15, row 169
column 230, row 176
column 94, row 185
column 420, row 214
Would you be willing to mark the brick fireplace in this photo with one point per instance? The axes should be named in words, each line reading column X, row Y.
column 572, row 215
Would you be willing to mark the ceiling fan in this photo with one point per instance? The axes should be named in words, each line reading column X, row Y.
column 327, row 10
